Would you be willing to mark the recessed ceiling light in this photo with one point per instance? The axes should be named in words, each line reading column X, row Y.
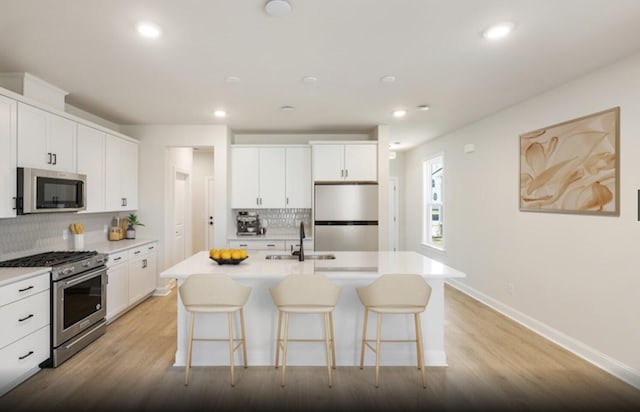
column 220, row 114
column 232, row 79
column 309, row 79
column 148, row 29
column 287, row 108
column 498, row 31
column 388, row 79
column 423, row 107
column 277, row 8
column 399, row 113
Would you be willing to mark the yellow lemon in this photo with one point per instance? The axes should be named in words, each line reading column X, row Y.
column 225, row 255
column 243, row 253
column 216, row 255
column 212, row 251
column 236, row 255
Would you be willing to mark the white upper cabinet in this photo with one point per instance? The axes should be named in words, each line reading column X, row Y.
column 45, row 140
column 345, row 162
column 91, row 159
column 121, row 174
column 257, row 177
column 8, row 143
column 298, row 177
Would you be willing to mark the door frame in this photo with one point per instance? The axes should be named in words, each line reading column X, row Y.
column 394, row 221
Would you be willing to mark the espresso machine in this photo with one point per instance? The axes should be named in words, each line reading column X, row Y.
column 248, row 223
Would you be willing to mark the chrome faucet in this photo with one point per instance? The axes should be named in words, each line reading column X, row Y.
column 302, row 236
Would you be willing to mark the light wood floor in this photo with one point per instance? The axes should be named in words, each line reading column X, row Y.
column 493, row 363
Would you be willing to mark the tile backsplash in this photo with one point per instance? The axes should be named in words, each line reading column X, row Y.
column 37, row 233
column 279, row 220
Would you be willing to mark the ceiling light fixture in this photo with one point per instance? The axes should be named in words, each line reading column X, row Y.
column 220, row 114
column 388, row 79
column 287, row 108
column 148, row 29
column 277, row 8
column 498, row 31
column 232, row 79
column 309, row 79
column 399, row 113
column 423, row 107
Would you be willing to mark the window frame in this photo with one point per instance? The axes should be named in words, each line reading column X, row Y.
column 429, row 204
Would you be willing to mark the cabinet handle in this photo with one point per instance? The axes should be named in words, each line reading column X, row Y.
column 136, row 252
column 144, row 263
column 287, row 200
column 346, row 172
column 25, row 318
column 118, row 258
column 124, row 201
column 271, row 245
column 15, row 207
column 25, row 289
column 55, row 159
column 151, row 247
column 257, row 200
column 49, row 162
column 26, row 356
column 243, row 245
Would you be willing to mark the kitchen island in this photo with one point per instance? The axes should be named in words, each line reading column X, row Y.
column 348, row 270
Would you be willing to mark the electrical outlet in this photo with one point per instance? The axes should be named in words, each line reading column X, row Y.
column 65, row 234
column 511, row 288
column 105, row 228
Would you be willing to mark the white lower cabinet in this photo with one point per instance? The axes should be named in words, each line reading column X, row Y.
column 142, row 272
column 274, row 245
column 25, row 324
column 132, row 278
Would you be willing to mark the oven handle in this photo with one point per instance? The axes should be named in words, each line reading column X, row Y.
column 85, row 277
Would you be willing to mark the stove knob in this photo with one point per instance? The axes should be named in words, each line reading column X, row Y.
column 86, row 263
column 68, row 271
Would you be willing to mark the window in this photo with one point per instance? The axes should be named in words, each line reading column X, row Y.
column 433, row 202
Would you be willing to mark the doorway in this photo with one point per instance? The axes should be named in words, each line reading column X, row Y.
column 181, row 213
column 393, row 213
column 209, row 206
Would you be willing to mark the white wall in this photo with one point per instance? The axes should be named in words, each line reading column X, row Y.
column 156, row 179
column 575, row 277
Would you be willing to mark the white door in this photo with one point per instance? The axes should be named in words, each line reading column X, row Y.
column 393, row 213
column 209, row 207
column 179, row 209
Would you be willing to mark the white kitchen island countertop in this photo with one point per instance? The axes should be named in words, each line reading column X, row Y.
column 348, row 270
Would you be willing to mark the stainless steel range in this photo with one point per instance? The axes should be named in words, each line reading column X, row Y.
column 78, row 298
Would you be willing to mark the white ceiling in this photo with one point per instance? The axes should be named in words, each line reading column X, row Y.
column 433, row 47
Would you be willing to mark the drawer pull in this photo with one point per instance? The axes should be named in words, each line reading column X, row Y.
column 118, row 258
column 26, row 356
column 271, row 245
column 136, row 252
column 25, row 318
column 25, row 289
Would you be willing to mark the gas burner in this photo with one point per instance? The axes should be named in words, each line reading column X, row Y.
column 48, row 259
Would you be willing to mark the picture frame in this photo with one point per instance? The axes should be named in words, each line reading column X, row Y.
column 573, row 166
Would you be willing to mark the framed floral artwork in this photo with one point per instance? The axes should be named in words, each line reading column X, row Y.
column 572, row 167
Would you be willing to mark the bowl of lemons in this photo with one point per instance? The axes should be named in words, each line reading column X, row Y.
column 228, row 256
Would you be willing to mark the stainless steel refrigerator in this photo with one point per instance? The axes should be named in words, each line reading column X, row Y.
column 346, row 217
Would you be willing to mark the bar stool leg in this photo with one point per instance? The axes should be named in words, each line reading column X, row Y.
column 188, row 365
column 327, row 329
column 284, row 348
column 333, row 340
column 364, row 337
column 279, row 339
column 379, row 321
column 244, row 339
column 420, row 349
column 230, row 319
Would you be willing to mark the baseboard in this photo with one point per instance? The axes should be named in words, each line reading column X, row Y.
column 589, row 354
column 166, row 289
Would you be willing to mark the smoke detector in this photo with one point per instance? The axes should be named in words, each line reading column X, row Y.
column 277, row 8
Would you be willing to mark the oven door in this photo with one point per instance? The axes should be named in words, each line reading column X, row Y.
column 78, row 302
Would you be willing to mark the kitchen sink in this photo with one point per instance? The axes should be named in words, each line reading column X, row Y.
column 309, row 256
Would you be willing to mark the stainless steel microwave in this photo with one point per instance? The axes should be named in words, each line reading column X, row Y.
column 48, row 191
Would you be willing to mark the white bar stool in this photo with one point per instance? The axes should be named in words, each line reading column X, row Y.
column 394, row 294
column 305, row 294
column 215, row 293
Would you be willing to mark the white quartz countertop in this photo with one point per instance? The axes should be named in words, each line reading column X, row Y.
column 346, row 265
column 115, row 246
column 12, row 275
